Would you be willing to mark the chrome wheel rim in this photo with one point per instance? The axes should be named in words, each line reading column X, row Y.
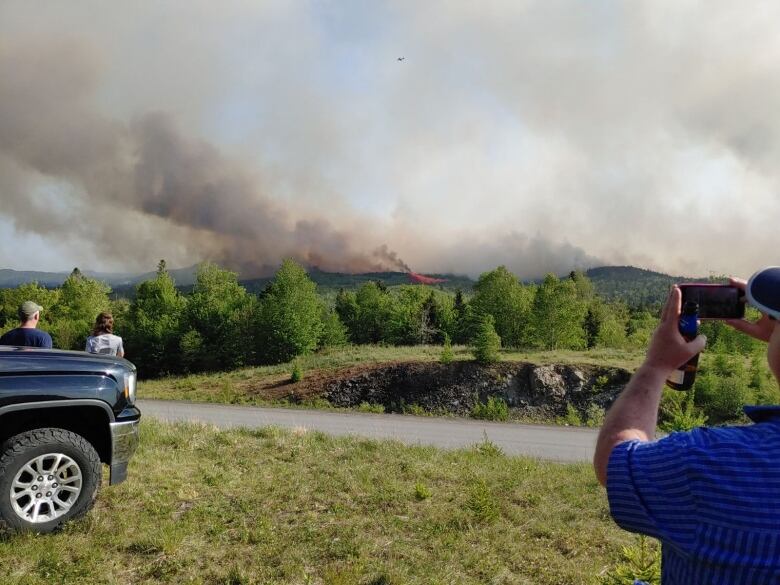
column 46, row 487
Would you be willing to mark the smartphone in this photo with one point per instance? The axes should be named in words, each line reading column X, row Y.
column 716, row 301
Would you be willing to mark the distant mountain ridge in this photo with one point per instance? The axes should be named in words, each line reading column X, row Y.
column 10, row 278
column 634, row 286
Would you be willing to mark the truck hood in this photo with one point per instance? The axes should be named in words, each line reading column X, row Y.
column 18, row 359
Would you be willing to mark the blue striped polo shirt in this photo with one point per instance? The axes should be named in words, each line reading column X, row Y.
column 711, row 496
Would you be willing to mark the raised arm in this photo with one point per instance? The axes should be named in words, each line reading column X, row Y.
column 634, row 414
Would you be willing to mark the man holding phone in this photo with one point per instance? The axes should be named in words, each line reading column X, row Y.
column 711, row 495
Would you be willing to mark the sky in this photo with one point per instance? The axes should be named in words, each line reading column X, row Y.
column 543, row 135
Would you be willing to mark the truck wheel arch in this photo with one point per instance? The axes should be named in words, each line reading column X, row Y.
column 89, row 418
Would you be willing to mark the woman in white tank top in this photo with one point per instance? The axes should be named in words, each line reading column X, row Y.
column 103, row 340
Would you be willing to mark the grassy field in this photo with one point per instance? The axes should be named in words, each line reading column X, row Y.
column 205, row 506
column 269, row 385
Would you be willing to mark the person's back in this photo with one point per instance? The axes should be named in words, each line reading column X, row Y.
column 103, row 340
column 106, row 344
column 711, row 495
column 26, row 335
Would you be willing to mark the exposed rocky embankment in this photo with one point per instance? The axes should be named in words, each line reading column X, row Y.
column 529, row 389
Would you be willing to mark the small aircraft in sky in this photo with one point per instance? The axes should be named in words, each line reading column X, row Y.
column 401, row 58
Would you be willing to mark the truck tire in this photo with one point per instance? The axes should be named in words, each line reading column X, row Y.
column 47, row 476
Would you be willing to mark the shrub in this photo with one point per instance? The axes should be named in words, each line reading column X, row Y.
column 297, row 373
column 721, row 397
column 572, row 417
column 414, row 409
column 494, row 409
column 594, row 415
column 482, row 502
column 447, row 355
column 679, row 413
column 421, row 491
column 487, row 343
column 488, row 448
column 639, row 562
column 368, row 407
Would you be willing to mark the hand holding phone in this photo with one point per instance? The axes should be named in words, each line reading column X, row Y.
column 716, row 301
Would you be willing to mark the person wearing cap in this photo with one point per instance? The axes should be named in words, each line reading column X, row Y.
column 27, row 334
column 710, row 495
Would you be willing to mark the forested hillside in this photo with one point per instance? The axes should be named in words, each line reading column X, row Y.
column 634, row 286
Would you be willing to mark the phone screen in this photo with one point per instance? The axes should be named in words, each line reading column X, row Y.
column 715, row 301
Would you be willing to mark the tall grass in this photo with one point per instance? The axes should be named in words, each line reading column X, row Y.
column 210, row 506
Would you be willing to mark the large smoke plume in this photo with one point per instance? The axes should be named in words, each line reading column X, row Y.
column 544, row 135
column 49, row 125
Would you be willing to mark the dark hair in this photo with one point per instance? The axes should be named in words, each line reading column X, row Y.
column 103, row 324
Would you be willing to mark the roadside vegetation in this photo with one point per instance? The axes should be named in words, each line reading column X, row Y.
column 210, row 507
column 221, row 343
column 272, row 385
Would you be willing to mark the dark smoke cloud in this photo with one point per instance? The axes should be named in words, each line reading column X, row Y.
column 49, row 125
column 390, row 258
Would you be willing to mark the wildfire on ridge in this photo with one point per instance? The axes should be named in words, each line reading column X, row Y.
column 416, row 278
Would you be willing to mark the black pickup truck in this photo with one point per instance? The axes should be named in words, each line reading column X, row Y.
column 62, row 414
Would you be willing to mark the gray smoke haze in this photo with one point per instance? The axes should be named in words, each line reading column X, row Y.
column 544, row 135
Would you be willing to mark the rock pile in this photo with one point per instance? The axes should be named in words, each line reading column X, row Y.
column 455, row 388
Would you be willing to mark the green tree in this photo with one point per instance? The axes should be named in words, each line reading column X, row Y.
column 220, row 311
column 12, row 298
column 155, row 319
column 346, row 308
column 500, row 294
column 557, row 315
column 612, row 330
column 641, row 325
column 594, row 319
column 290, row 316
column 334, row 333
column 420, row 315
column 583, row 285
column 461, row 311
column 487, row 342
column 80, row 300
column 375, row 314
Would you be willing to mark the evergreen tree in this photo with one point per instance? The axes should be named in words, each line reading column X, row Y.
column 460, row 327
column 447, row 355
column 487, row 342
column 594, row 318
column 290, row 316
